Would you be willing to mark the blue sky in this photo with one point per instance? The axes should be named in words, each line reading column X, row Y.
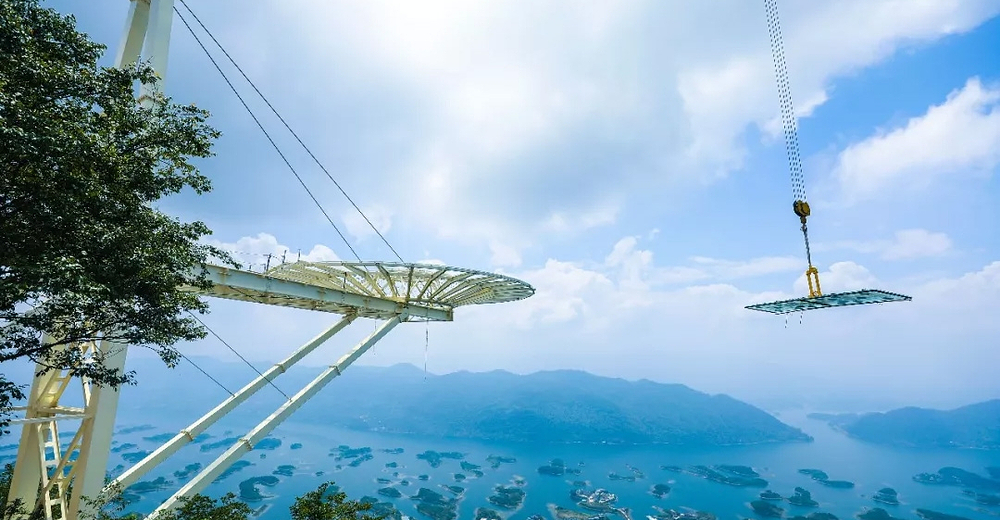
column 625, row 158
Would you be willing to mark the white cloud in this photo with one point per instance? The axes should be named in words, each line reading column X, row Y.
column 955, row 138
column 907, row 244
column 516, row 120
column 504, row 255
column 617, row 318
column 728, row 269
column 253, row 252
column 379, row 216
column 842, row 276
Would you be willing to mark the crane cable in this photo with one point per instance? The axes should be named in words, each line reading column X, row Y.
column 788, row 123
column 266, row 134
column 286, row 125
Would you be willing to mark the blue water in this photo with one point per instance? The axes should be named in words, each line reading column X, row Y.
column 870, row 467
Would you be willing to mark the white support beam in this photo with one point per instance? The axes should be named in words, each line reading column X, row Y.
column 245, row 444
column 135, row 32
column 240, row 285
column 161, row 16
column 133, row 474
column 91, row 465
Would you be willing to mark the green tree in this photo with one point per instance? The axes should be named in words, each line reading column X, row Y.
column 84, row 253
column 327, row 502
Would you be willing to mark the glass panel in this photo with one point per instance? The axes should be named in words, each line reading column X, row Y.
column 865, row 297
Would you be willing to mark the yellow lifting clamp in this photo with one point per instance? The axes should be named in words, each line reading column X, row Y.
column 801, row 209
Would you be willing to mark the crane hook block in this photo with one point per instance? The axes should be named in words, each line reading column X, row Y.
column 801, row 209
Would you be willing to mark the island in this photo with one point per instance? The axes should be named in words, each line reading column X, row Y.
column 824, row 479
column 507, row 497
column 117, row 449
column 876, row 513
column 434, row 458
column 671, row 514
column 951, row 476
column 236, row 467
column 267, row 443
column 382, row 480
column 767, row 509
column 346, row 452
column 435, row 505
column 927, row 514
column 816, row 474
column 485, row 513
column 887, row 496
column 135, row 429
column 986, row 499
column 392, row 451
column 296, row 446
column 160, row 437
column 600, row 500
column 135, row 456
column 659, row 490
column 555, row 468
column 423, row 477
column 390, row 492
column 770, row 495
column 392, row 464
column 457, row 490
column 815, row 516
column 496, row 460
column 458, row 477
column 209, row 446
column 615, row 476
column 802, row 498
column 249, row 491
column 284, row 470
column 182, row 474
column 728, row 478
column 148, row 486
column 743, row 471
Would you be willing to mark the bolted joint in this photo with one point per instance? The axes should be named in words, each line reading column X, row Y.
column 801, row 209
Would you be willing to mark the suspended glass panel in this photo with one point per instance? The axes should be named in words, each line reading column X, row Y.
column 844, row 299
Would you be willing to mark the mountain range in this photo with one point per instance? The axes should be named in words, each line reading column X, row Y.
column 560, row 406
column 973, row 426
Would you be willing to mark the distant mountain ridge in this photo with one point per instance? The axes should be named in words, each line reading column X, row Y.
column 562, row 406
column 973, row 426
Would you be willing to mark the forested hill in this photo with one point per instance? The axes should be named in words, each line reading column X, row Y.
column 972, row 426
column 556, row 407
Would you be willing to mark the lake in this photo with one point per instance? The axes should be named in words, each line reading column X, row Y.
column 870, row 467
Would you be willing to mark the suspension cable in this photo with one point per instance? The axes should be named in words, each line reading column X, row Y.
column 267, row 135
column 230, row 347
column 202, row 370
column 290, row 130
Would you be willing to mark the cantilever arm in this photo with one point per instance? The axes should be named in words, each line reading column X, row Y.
column 196, row 428
column 245, row 444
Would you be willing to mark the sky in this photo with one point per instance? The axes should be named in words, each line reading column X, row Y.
column 626, row 159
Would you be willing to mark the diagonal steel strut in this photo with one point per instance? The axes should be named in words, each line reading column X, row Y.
column 196, row 428
column 245, row 444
